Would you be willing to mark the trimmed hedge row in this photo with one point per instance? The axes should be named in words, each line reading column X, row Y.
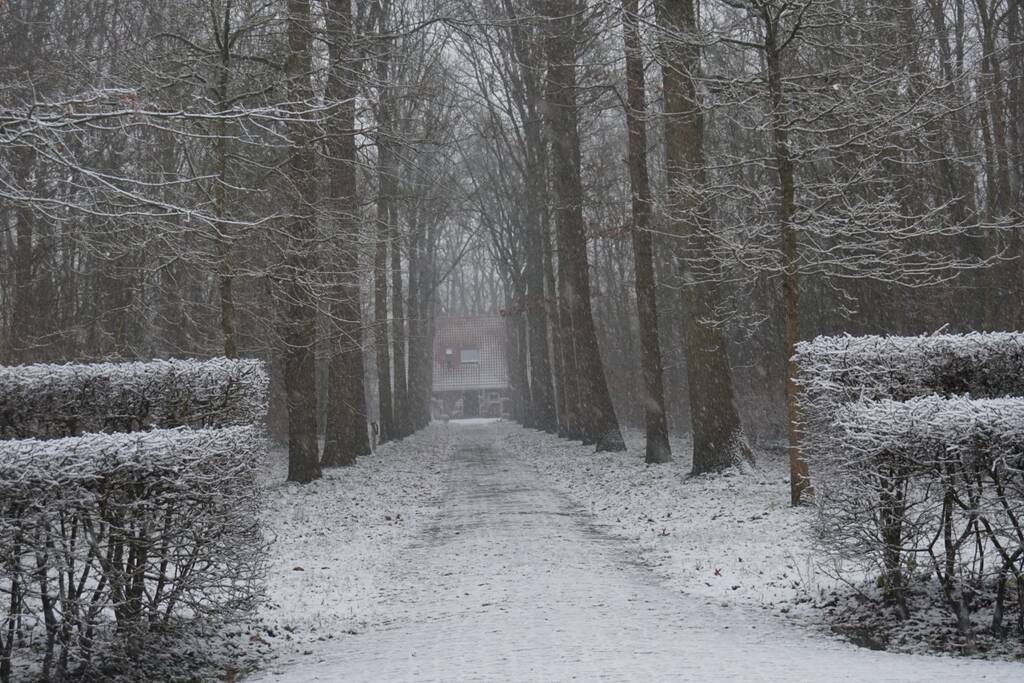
column 114, row 545
column 53, row 401
column 916, row 448
column 837, row 370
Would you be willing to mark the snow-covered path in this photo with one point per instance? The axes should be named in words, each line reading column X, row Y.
column 512, row 583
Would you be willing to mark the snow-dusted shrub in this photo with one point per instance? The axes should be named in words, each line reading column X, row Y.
column 52, row 401
column 837, row 370
column 108, row 539
column 931, row 483
column 916, row 450
column 142, row 519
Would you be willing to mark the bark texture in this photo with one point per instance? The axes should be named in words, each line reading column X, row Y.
column 346, row 434
column 594, row 406
column 718, row 440
column 657, row 449
column 299, row 307
column 386, row 168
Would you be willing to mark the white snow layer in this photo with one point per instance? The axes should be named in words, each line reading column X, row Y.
column 489, row 552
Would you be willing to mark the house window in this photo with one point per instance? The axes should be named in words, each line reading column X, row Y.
column 469, row 356
column 449, row 358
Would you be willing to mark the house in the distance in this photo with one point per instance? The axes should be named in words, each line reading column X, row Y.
column 470, row 371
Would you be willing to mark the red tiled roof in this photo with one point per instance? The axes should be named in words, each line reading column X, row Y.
column 484, row 333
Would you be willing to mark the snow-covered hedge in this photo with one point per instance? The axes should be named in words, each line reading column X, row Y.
column 52, row 401
column 111, row 542
column 931, row 484
column 836, row 370
column 916, row 451
column 119, row 535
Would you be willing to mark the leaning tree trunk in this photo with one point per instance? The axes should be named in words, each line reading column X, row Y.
column 718, row 440
column 346, row 434
column 600, row 425
column 299, row 306
column 658, row 449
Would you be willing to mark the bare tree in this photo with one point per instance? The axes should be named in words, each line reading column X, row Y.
column 346, row 429
column 658, row 449
column 298, row 309
column 598, row 421
column 718, row 440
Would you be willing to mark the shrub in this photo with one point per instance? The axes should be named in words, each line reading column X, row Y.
column 111, row 543
column 52, row 401
column 933, row 483
column 837, row 370
column 916, row 447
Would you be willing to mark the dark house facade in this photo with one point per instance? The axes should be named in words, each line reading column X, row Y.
column 470, row 370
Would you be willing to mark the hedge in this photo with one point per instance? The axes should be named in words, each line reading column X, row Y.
column 52, row 401
column 916, row 450
column 111, row 542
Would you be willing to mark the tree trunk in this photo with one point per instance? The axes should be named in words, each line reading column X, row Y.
column 600, row 426
column 380, row 310
column 542, row 410
column 542, row 399
column 718, row 440
column 299, row 307
column 555, row 351
column 653, row 399
column 346, row 435
column 386, row 173
column 23, row 313
column 515, row 365
column 415, row 325
column 799, row 484
column 222, row 239
column 400, row 422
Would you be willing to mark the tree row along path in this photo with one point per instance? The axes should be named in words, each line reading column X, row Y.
column 512, row 582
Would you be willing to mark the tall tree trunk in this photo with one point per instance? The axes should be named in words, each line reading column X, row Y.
column 346, row 435
column 653, row 399
column 299, row 307
column 222, row 239
column 428, row 318
column 542, row 410
column 400, row 422
column 718, row 440
column 600, row 426
column 992, row 75
column 799, row 484
column 380, row 309
column 421, row 297
column 516, row 361
column 996, row 160
column 542, row 398
column 555, row 346
column 23, row 310
column 385, row 169
column 415, row 324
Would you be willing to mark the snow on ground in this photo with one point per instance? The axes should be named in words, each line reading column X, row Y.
column 514, row 566
column 333, row 538
column 733, row 537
